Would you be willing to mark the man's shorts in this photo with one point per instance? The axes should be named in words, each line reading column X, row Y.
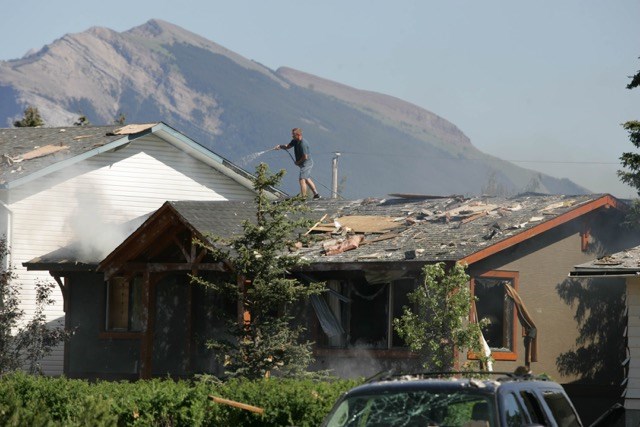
column 305, row 169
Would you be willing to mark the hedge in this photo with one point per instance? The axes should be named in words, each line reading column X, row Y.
column 47, row 401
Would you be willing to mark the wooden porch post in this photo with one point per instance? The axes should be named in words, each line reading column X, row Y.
column 146, row 343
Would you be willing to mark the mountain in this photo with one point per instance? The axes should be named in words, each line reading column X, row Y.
column 240, row 109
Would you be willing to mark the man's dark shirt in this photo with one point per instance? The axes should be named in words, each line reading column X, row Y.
column 300, row 148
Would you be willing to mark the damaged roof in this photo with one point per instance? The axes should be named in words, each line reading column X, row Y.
column 26, row 150
column 27, row 153
column 397, row 230
column 444, row 229
column 623, row 263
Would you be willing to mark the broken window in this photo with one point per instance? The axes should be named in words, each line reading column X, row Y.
column 494, row 304
column 363, row 313
column 124, row 304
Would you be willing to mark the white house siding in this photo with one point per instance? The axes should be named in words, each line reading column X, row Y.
column 632, row 399
column 89, row 199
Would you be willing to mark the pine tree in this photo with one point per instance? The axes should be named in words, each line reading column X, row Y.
column 82, row 121
column 267, row 341
column 120, row 119
column 631, row 160
column 31, row 118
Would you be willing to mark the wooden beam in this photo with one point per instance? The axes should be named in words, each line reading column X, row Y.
column 189, row 331
column 316, row 224
column 157, row 267
column 185, row 253
column 148, row 310
column 136, row 243
column 63, row 290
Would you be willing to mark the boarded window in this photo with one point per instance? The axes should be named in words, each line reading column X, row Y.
column 124, row 304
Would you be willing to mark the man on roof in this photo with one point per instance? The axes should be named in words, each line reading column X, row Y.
column 302, row 160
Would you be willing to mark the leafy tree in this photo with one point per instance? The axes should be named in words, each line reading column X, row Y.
column 24, row 345
column 10, row 312
column 31, row 118
column 438, row 326
column 267, row 341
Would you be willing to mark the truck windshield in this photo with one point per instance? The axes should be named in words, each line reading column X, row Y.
column 460, row 408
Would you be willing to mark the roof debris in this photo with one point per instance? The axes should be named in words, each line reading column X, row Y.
column 426, row 228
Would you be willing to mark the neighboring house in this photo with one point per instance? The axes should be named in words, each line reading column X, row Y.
column 370, row 253
column 609, row 271
column 59, row 185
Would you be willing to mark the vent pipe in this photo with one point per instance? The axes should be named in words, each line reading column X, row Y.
column 334, row 176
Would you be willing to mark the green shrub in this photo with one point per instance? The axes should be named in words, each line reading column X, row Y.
column 45, row 401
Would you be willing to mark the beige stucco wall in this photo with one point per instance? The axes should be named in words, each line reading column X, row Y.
column 543, row 263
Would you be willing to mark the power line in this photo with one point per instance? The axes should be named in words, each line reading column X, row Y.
column 581, row 162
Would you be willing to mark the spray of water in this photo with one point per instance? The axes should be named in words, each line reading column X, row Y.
column 251, row 157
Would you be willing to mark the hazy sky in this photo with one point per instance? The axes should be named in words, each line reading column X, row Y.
column 539, row 83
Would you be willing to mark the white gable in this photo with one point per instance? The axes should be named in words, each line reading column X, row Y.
column 90, row 198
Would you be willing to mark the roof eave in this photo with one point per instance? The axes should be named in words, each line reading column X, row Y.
column 208, row 157
column 606, row 201
column 603, row 273
column 60, row 266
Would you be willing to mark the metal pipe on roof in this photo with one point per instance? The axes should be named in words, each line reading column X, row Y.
column 334, row 176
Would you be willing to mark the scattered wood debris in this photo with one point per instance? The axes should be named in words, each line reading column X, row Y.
column 34, row 154
column 235, row 404
column 362, row 224
column 352, row 242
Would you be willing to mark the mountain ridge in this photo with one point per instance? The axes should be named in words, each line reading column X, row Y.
column 235, row 106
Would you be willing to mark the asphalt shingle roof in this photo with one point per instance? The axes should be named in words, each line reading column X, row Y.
column 625, row 262
column 17, row 143
column 427, row 230
column 217, row 218
column 444, row 229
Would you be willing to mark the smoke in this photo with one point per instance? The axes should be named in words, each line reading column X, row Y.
column 95, row 227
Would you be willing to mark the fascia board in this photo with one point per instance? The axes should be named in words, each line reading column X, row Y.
column 199, row 152
column 605, row 201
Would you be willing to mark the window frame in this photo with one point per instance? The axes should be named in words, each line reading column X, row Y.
column 323, row 347
column 500, row 275
column 133, row 285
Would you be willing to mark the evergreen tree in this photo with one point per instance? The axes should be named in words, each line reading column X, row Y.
column 82, row 121
column 266, row 341
column 439, row 326
column 631, row 160
column 31, row 118
column 120, row 119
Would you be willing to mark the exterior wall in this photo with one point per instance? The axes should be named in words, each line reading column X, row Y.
column 632, row 398
column 543, row 264
column 88, row 354
column 179, row 348
column 90, row 199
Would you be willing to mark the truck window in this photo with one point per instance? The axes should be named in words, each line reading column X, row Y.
column 513, row 412
column 533, row 406
column 561, row 409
